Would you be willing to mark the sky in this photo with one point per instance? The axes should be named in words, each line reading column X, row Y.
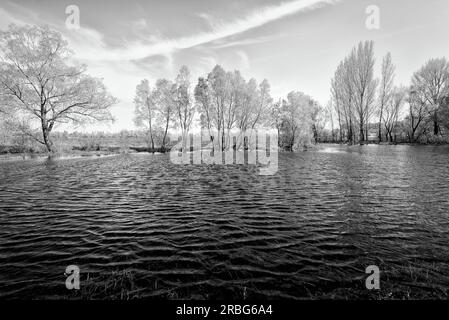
column 295, row 44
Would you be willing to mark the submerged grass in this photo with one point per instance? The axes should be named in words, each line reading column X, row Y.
column 397, row 283
column 118, row 285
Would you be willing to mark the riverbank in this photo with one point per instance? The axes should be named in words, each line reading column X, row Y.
column 444, row 143
column 12, row 153
column 42, row 155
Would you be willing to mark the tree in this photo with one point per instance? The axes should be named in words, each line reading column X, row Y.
column 245, row 112
column 145, row 106
column 353, row 91
column 416, row 114
column 319, row 119
column 444, row 113
column 203, row 100
column 275, row 116
column 264, row 101
column 392, row 111
column 337, row 100
column 219, row 90
column 296, row 128
column 362, row 75
column 233, row 106
column 37, row 79
column 329, row 110
column 385, row 89
column 163, row 97
column 370, row 104
column 432, row 83
column 184, row 107
column 227, row 101
column 342, row 89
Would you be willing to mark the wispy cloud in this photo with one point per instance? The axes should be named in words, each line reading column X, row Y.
column 257, row 18
column 123, row 63
column 89, row 43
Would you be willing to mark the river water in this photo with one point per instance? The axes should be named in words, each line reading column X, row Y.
column 144, row 227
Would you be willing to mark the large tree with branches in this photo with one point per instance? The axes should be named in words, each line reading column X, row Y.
column 431, row 83
column 40, row 80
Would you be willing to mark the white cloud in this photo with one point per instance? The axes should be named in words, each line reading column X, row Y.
column 89, row 44
column 139, row 50
column 122, row 68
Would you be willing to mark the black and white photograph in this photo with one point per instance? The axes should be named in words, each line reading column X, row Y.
column 208, row 150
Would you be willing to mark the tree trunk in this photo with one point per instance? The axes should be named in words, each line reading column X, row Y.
column 366, row 131
column 185, row 139
column 165, row 136
column 362, row 134
column 339, row 125
column 412, row 136
column 47, row 141
column 46, row 129
column 436, row 127
column 350, row 131
column 315, row 134
column 151, row 137
column 380, row 125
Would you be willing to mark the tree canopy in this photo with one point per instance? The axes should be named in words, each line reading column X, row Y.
column 41, row 82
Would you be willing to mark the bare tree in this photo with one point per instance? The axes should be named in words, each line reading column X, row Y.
column 337, row 102
column 385, row 88
column 416, row 114
column 235, row 87
column 145, row 106
column 444, row 112
column 165, row 94
column 248, row 106
column 203, row 98
column 263, row 103
column 432, row 83
column 275, row 116
column 342, row 89
column 185, row 108
column 392, row 111
column 370, row 104
column 329, row 110
column 362, row 75
column 227, row 101
column 319, row 119
column 219, row 85
column 37, row 78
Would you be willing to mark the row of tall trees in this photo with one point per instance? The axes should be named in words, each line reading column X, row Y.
column 168, row 104
column 353, row 91
column 359, row 101
column 226, row 103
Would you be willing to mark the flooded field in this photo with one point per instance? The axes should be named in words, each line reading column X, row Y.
column 140, row 226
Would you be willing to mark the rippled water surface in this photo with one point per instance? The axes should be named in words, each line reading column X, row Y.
column 192, row 231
